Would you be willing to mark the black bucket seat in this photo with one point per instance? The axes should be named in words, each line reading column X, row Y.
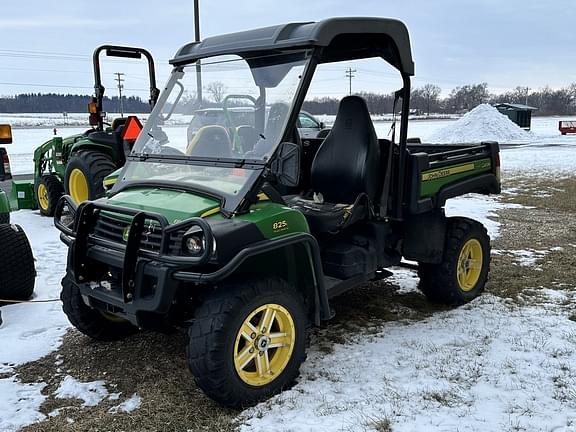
column 346, row 171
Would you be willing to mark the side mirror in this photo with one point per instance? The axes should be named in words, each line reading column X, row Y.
column 5, row 134
column 322, row 125
column 286, row 164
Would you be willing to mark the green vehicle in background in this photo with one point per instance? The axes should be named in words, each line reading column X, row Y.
column 244, row 242
column 17, row 270
column 77, row 165
column 5, row 172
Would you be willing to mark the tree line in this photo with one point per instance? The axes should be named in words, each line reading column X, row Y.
column 423, row 100
column 426, row 100
column 58, row 103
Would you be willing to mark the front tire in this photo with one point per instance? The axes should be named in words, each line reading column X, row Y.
column 93, row 323
column 85, row 174
column 4, row 218
column 48, row 191
column 463, row 272
column 17, row 272
column 248, row 341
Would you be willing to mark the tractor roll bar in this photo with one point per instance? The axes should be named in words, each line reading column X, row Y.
column 124, row 52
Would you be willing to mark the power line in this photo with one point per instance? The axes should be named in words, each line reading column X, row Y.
column 350, row 74
column 120, row 80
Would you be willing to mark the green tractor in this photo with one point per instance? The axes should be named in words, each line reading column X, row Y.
column 5, row 173
column 244, row 243
column 77, row 165
column 17, row 272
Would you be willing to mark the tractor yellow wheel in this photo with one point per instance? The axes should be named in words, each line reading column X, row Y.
column 469, row 265
column 264, row 344
column 78, row 186
column 49, row 189
column 43, row 201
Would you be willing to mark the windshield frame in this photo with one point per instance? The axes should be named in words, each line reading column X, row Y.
column 229, row 204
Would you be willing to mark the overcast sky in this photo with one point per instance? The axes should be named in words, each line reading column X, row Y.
column 46, row 46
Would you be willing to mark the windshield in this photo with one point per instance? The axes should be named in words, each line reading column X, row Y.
column 237, row 110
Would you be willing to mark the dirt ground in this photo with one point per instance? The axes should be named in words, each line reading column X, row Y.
column 153, row 365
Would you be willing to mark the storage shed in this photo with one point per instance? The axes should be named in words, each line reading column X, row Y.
column 518, row 113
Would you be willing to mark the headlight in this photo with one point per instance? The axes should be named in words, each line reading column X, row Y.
column 194, row 241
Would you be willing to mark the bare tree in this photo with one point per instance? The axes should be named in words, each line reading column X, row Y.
column 216, row 90
column 431, row 93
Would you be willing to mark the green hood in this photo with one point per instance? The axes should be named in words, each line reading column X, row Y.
column 175, row 205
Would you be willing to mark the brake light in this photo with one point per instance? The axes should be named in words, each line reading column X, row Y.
column 6, row 162
column 497, row 167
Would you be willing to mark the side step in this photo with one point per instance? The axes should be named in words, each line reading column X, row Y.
column 335, row 286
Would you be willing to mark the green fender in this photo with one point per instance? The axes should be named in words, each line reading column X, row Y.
column 4, row 203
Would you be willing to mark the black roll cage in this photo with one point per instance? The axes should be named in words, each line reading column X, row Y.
column 398, row 183
column 123, row 52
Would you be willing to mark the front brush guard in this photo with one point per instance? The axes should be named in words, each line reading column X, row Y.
column 85, row 219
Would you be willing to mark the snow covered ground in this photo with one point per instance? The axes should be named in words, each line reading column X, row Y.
column 544, row 132
column 494, row 373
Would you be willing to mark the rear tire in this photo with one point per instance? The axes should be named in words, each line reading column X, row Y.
column 48, row 191
column 238, row 369
column 17, row 272
column 85, row 173
column 89, row 321
column 463, row 272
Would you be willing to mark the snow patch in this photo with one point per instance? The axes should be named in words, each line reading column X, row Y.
column 128, row 405
column 33, row 330
column 481, row 208
column 19, row 404
column 489, row 365
column 483, row 123
column 92, row 393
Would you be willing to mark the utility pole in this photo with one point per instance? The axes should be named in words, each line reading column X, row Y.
column 350, row 74
column 120, row 80
column 527, row 91
column 197, row 39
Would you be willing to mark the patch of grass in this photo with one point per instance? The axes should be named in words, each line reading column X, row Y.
column 380, row 425
column 550, row 224
column 150, row 364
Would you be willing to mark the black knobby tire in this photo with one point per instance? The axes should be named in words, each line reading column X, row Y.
column 54, row 190
column 4, row 218
column 212, row 336
column 89, row 321
column 95, row 166
column 17, row 272
column 439, row 282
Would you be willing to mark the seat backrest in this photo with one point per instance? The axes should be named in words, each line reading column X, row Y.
column 347, row 163
column 210, row 141
column 248, row 137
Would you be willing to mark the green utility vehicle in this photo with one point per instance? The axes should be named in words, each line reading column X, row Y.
column 246, row 247
column 78, row 164
column 17, row 273
column 5, row 172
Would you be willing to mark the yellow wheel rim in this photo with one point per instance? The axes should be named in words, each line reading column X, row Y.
column 110, row 317
column 470, row 265
column 264, row 345
column 42, row 194
column 78, row 186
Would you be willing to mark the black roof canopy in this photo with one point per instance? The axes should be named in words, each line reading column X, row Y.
column 342, row 39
